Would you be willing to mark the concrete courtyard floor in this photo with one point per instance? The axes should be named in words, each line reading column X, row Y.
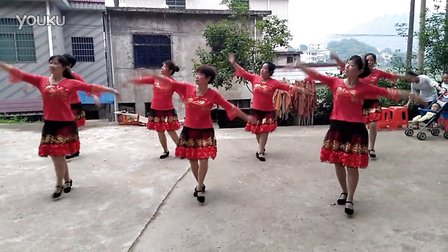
column 126, row 199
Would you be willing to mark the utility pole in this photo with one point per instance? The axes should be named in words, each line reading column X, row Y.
column 421, row 41
column 446, row 29
column 410, row 36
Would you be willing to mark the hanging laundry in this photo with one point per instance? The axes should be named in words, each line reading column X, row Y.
column 299, row 105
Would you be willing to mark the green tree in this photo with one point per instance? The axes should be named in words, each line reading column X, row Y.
column 436, row 44
column 398, row 62
column 235, row 35
column 435, row 40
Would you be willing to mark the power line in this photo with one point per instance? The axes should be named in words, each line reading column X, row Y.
column 363, row 35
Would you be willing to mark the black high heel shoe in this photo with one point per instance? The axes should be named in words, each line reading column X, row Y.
column 164, row 155
column 72, row 155
column 68, row 186
column 348, row 210
column 261, row 157
column 342, row 199
column 199, row 195
column 203, row 189
column 58, row 192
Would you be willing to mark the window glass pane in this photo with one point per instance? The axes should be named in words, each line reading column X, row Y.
column 7, row 47
column 16, row 45
column 83, row 49
column 151, row 50
column 176, row 4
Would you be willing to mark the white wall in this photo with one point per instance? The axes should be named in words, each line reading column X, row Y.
column 278, row 7
column 205, row 5
column 139, row 3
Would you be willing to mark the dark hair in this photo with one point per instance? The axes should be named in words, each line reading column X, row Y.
column 446, row 72
column 411, row 73
column 361, row 64
column 64, row 62
column 271, row 67
column 173, row 68
column 208, row 71
column 71, row 60
column 371, row 54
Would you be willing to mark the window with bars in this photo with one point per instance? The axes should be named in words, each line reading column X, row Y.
column 16, row 45
column 83, row 49
column 151, row 50
column 289, row 59
column 176, row 4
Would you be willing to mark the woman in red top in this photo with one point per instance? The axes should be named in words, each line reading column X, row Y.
column 163, row 116
column 197, row 139
column 371, row 107
column 59, row 133
column 75, row 102
column 263, row 109
column 346, row 142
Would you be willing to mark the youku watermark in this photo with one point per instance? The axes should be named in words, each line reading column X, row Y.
column 40, row 20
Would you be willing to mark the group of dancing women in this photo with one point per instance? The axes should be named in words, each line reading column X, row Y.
column 346, row 144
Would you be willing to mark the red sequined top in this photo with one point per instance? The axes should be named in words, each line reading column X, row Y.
column 263, row 90
column 347, row 101
column 162, row 94
column 56, row 98
column 198, row 108
column 377, row 74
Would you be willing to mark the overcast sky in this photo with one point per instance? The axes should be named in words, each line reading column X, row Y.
column 310, row 20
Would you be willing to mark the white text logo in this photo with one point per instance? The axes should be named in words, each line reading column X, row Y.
column 43, row 20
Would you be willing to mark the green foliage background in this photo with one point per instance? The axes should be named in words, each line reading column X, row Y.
column 236, row 34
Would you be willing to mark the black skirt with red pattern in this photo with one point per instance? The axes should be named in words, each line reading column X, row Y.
column 78, row 112
column 371, row 110
column 346, row 143
column 59, row 139
column 266, row 122
column 197, row 144
column 161, row 120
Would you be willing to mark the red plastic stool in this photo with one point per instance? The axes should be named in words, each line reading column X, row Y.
column 399, row 116
column 386, row 119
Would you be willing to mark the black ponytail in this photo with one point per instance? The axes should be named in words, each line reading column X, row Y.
column 70, row 59
column 173, row 68
column 67, row 73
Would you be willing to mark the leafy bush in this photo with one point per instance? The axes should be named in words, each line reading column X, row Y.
column 324, row 106
column 13, row 119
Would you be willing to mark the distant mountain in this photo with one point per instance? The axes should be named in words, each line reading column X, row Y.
column 348, row 47
column 380, row 33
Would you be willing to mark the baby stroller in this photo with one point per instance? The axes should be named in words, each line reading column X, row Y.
column 434, row 124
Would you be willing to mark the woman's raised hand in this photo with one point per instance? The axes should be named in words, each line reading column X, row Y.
column 232, row 58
